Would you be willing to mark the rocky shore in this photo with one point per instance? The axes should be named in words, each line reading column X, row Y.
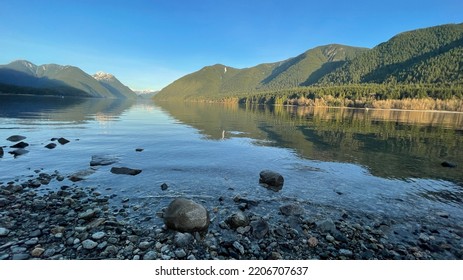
column 78, row 223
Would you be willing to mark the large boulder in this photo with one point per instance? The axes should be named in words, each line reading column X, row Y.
column 271, row 179
column 185, row 215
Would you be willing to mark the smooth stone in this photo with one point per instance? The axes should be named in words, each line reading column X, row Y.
column 271, row 179
column 238, row 219
column 50, row 146
column 4, row 232
column 35, row 233
column 183, row 239
column 185, row 215
column 1, row 152
column 125, row 171
column 20, row 145
column 443, row 214
column 292, row 210
column 150, row 255
column 37, row 252
column 63, row 141
column 313, row 242
column 260, row 228
column 164, row 186
column 18, row 152
column 87, row 215
column 20, row 256
column 345, row 252
column 80, row 175
column 144, row 245
column 326, row 226
column 98, row 235
column 16, row 138
column 89, row 244
column 103, row 160
column 138, row 150
column 330, row 238
column 180, row 253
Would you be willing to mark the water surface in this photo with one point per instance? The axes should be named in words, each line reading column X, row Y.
column 375, row 162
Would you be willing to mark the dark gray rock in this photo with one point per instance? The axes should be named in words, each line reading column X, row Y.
column 50, row 146
column 183, row 239
column 448, row 164
column 292, row 210
column 103, row 160
column 1, row 152
column 21, row 256
column 164, row 186
column 271, row 179
column 150, row 255
column 4, row 232
column 89, row 244
column 326, row 226
column 125, row 171
column 20, row 145
column 238, row 219
column 260, row 228
column 16, row 138
column 63, row 141
column 18, row 152
column 185, row 215
column 138, row 150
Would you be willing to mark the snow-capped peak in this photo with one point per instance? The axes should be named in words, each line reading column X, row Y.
column 103, row 76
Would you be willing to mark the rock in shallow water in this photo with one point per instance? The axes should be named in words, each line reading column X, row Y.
column 103, row 160
column 16, row 138
column 271, row 179
column 185, row 215
column 125, row 171
column 50, row 146
column 238, row 219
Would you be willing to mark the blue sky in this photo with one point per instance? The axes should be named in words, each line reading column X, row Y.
column 151, row 43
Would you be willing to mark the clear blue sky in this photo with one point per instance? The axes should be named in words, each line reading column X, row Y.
column 150, row 43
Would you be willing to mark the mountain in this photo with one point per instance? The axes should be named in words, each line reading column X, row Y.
column 24, row 77
column 428, row 55
column 298, row 71
column 431, row 55
column 113, row 85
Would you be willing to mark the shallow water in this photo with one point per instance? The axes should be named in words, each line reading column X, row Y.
column 383, row 163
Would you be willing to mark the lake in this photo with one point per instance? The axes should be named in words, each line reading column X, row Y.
column 378, row 164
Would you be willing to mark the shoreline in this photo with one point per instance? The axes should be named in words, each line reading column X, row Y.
column 78, row 223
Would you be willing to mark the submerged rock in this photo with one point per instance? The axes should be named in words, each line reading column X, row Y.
column 238, row 219
column 185, row 215
column 50, row 146
column 16, row 138
column 18, row 152
column 80, row 175
column 63, row 141
column 103, row 160
column 292, row 210
column 125, row 171
column 271, row 179
column 448, row 164
column 1, row 152
column 20, row 145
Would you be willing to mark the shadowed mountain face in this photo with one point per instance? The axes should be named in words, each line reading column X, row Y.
column 23, row 77
column 425, row 56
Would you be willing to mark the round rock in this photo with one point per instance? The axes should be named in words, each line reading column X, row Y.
column 89, row 244
column 185, row 215
column 238, row 219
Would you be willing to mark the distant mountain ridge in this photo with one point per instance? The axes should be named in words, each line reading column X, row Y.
column 431, row 55
column 24, row 77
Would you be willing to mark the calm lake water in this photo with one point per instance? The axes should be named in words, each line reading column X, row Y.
column 377, row 162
